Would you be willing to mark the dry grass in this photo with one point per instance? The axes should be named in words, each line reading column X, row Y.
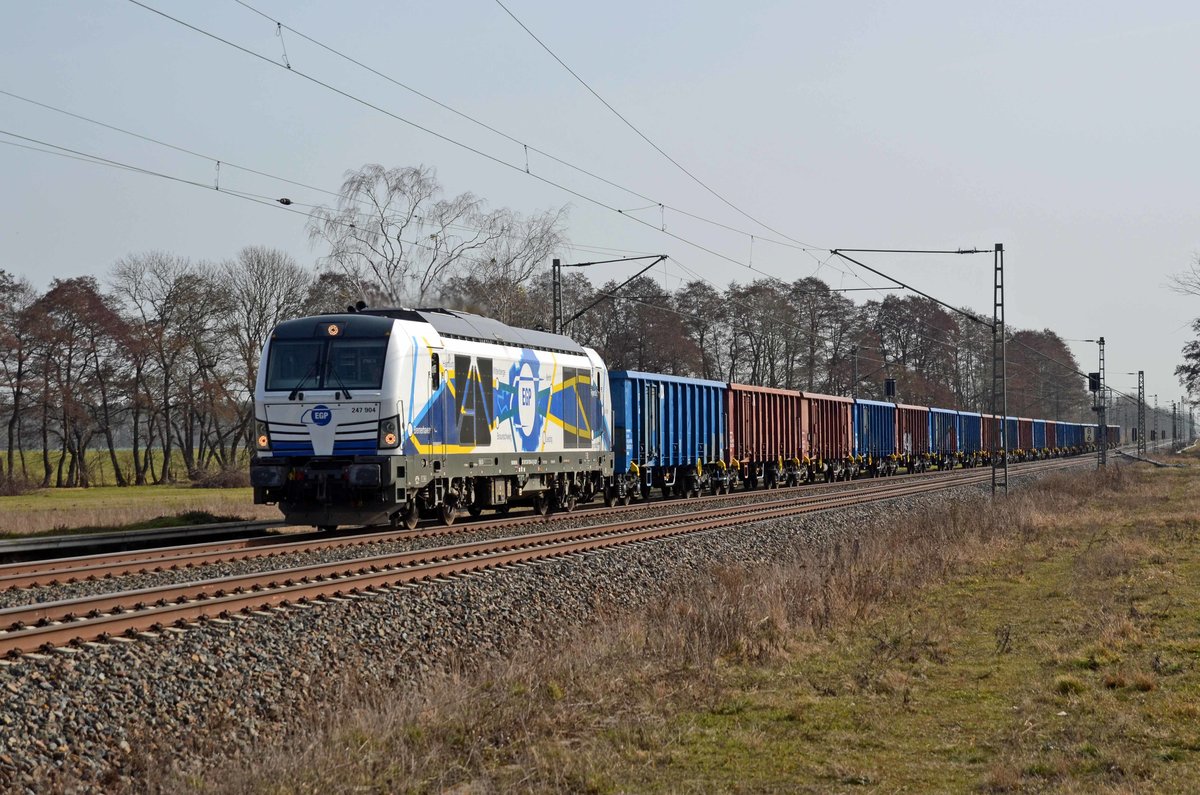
column 933, row 653
column 65, row 509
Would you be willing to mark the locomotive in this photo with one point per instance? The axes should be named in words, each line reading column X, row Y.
column 390, row 415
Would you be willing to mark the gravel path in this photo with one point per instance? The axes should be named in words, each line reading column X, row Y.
column 94, row 720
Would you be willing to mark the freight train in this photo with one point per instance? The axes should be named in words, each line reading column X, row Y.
column 391, row 415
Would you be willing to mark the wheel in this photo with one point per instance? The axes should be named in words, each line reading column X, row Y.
column 625, row 498
column 568, row 503
column 408, row 517
column 541, row 505
column 610, row 496
column 326, row 528
column 474, row 510
column 666, row 492
column 448, row 514
column 503, row 509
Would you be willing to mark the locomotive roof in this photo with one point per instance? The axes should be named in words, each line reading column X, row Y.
column 464, row 325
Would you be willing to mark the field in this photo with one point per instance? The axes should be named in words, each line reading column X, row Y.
column 104, row 505
column 47, row 510
column 100, row 469
column 1048, row 643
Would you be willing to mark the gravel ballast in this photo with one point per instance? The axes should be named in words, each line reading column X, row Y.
column 460, row 535
column 96, row 718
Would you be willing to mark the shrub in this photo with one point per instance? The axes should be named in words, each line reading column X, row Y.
column 225, row 478
column 16, row 486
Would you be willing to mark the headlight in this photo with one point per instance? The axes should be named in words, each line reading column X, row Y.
column 268, row 476
column 389, row 433
column 363, row 475
column 262, row 439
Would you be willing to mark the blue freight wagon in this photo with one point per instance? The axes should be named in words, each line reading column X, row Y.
column 1011, row 437
column 1070, row 434
column 874, row 433
column 668, row 431
column 1039, row 434
column 944, row 430
column 970, row 433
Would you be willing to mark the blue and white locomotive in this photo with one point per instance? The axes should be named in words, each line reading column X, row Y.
column 386, row 415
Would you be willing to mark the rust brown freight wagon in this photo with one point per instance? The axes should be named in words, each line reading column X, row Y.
column 767, row 435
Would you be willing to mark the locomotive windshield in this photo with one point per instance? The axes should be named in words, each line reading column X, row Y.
column 353, row 363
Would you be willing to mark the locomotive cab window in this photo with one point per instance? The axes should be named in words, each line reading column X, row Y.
column 326, row 364
column 294, row 363
column 355, row 363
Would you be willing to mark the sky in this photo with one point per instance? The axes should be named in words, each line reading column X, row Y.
column 1066, row 131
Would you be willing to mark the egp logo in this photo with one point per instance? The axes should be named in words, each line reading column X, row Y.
column 528, row 408
column 317, row 415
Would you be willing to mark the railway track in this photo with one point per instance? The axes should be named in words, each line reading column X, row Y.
column 36, row 549
column 54, row 624
column 173, row 558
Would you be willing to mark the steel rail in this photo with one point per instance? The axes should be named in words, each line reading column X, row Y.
column 180, row 604
column 70, row 608
column 89, row 567
column 10, row 574
column 40, row 548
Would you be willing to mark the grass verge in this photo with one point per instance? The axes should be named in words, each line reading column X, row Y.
column 1048, row 641
column 106, row 508
column 183, row 519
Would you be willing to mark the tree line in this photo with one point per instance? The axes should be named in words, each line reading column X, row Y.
column 156, row 362
column 159, row 361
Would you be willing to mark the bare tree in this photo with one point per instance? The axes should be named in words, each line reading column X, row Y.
column 704, row 315
column 16, row 296
column 1188, row 282
column 1188, row 373
column 498, row 279
column 154, row 288
column 391, row 232
column 263, row 287
column 79, row 332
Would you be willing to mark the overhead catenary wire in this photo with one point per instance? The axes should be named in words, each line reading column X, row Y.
column 268, row 201
column 166, row 144
column 228, row 164
column 498, row 160
column 964, row 313
column 893, row 325
column 643, row 136
column 74, row 154
column 445, row 138
column 185, row 150
column 474, row 150
column 526, row 146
